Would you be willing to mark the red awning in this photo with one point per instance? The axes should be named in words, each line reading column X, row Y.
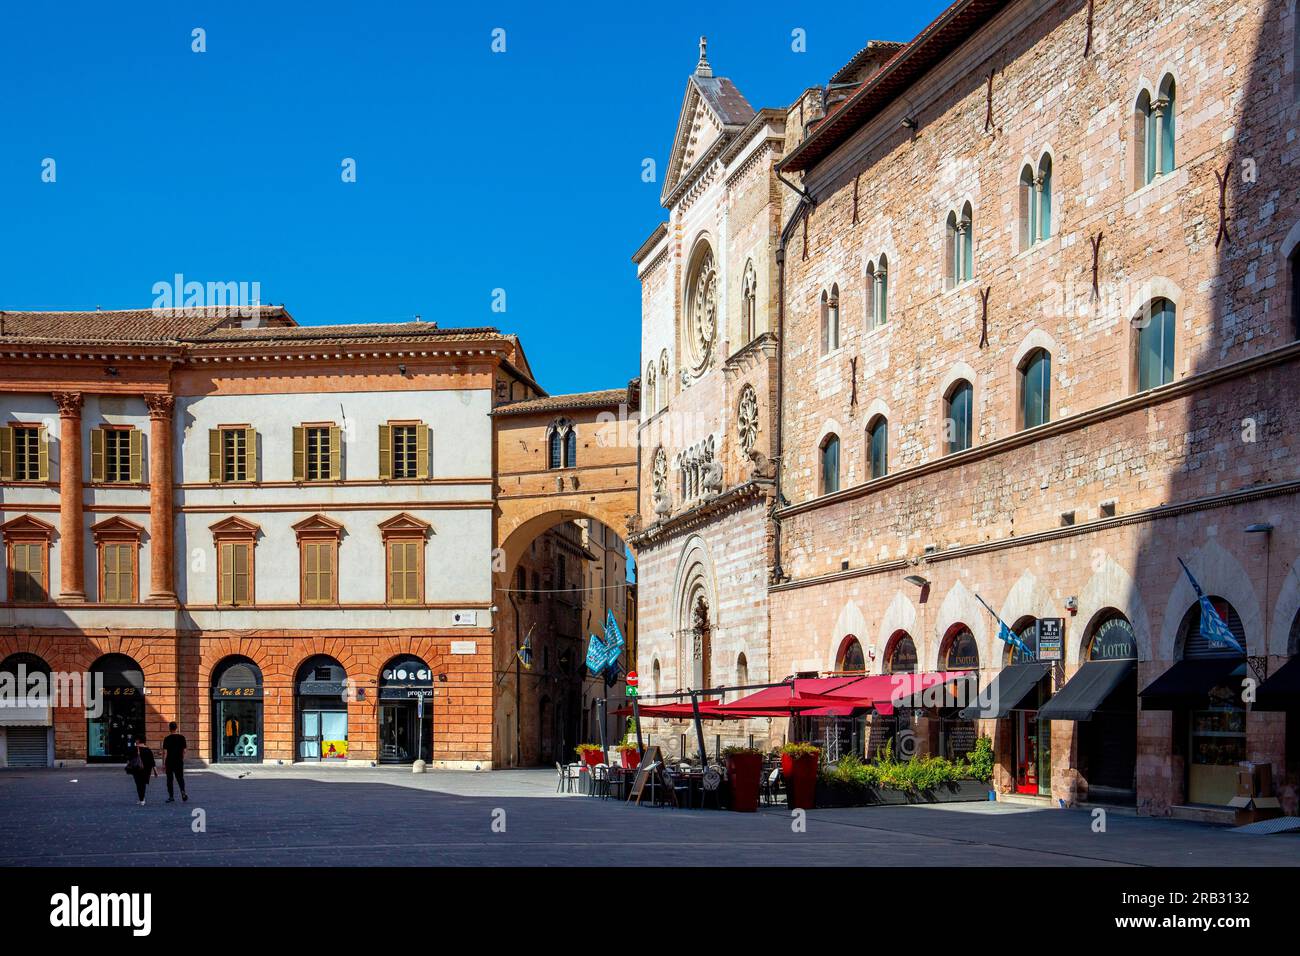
column 677, row 711
column 889, row 690
column 800, row 695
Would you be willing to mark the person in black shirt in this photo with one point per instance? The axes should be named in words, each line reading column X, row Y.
column 174, row 762
column 140, row 765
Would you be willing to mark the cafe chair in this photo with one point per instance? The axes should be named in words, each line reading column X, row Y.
column 599, row 781
column 772, row 786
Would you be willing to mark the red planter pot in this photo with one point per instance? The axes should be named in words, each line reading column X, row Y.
column 631, row 759
column 800, row 773
column 592, row 757
column 744, row 772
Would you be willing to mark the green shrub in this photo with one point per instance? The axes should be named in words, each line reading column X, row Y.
column 737, row 751
column 980, row 766
column 800, row 750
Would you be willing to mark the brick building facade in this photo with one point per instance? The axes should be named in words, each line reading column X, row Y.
column 1035, row 352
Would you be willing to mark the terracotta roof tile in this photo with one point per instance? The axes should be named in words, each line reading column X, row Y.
column 558, row 403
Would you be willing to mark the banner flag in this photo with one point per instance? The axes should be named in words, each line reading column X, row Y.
column 1007, row 635
column 1212, row 626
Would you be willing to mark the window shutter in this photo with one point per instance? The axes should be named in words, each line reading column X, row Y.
column 109, row 559
column 385, row 451
column 395, row 571
column 309, row 571
column 336, row 452
column 299, row 454
column 421, row 451
column 250, row 453
column 214, row 454
column 7, row 453
column 42, row 455
column 241, row 572
column 97, row 454
column 137, row 455
column 226, row 591
column 325, row 563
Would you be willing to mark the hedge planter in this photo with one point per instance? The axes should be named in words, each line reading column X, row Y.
column 592, row 757
column 963, row 791
column 744, row 772
column 631, row 759
column 800, row 772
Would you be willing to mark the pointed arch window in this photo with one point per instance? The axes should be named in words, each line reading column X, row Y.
column 1154, row 133
column 830, row 464
column 878, row 291
column 562, row 444
column 1036, row 389
column 960, row 247
column 1036, row 203
column 830, row 320
column 664, row 381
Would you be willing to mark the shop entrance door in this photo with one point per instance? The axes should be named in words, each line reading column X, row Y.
column 322, row 734
column 1033, row 753
column 400, row 734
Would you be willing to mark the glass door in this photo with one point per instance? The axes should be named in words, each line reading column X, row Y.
column 309, row 729
column 334, row 735
column 1218, row 745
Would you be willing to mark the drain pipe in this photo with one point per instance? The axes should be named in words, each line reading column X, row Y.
column 806, row 202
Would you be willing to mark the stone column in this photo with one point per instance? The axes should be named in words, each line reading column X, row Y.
column 162, row 589
column 72, row 544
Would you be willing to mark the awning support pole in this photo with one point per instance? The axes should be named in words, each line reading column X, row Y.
column 699, row 730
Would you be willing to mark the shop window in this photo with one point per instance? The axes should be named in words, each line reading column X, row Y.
column 317, row 452
column 117, row 543
column 900, row 656
column 830, row 464
column 1036, row 389
column 24, row 453
column 121, row 717
column 960, row 652
column 1155, row 344
column 1027, row 630
column 405, row 735
column 403, row 450
column 322, row 709
column 1216, row 722
column 958, row 417
column 237, row 704
column 117, row 455
column 27, row 553
column 232, row 454
column 878, row 446
column 850, row 659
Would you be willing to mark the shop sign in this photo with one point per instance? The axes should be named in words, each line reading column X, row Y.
column 1051, row 639
column 404, row 693
column 231, row 693
column 321, row 688
column 1114, row 641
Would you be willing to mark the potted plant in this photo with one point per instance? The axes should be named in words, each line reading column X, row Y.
column 744, row 772
column 591, row 754
column 630, row 756
column 799, row 767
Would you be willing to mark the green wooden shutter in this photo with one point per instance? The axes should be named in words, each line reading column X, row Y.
column 214, row 454
column 299, row 454
column 421, row 451
column 336, row 452
column 97, row 454
column 137, row 455
column 385, row 451
column 6, row 453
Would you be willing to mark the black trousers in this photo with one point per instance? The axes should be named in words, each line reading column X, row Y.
column 179, row 774
column 141, row 778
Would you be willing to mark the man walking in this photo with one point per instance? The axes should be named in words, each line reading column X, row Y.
column 174, row 762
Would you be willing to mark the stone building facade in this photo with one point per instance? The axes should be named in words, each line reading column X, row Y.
column 280, row 537
column 1040, row 341
column 708, row 280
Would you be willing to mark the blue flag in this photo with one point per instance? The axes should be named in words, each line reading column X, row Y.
column 597, row 655
column 1213, row 626
column 1007, row 635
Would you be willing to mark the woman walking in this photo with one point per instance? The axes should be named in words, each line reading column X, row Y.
column 140, row 765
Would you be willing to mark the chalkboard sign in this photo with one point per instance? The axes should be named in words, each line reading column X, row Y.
column 651, row 766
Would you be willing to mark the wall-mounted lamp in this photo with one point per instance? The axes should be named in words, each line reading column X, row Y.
column 1262, row 528
column 916, row 579
column 1072, row 604
column 908, row 123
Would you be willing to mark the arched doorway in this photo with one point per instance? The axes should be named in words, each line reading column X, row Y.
column 1107, row 743
column 1213, row 723
column 26, row 724
column 237, row 716
column 405, row 710
column 120, row 717
column 958, row 652
column 895, row 732
column 320, row 691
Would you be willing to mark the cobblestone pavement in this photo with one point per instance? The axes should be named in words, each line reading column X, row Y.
column 348, row 816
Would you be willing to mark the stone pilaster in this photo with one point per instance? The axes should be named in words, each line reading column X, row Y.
column 162, row 587
column 72, row 545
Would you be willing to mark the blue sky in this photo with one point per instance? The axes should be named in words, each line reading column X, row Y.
column 475, row 170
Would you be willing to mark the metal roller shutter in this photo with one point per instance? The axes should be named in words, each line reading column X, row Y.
column 27, row 746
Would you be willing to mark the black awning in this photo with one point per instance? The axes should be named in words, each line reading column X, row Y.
column 1281, row 691
column 1085, row 692
column 1189, row 682
column 1008, row 691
